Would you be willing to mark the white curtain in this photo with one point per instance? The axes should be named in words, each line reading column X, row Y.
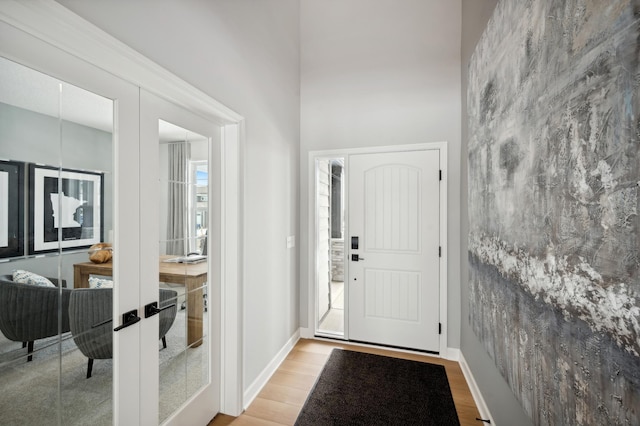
column 178, row 202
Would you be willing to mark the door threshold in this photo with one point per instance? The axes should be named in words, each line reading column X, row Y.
column 329, row 336
column 376, row 345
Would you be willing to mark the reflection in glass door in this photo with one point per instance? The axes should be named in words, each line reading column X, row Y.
column 330, row 249
column 56, row 201
column 183, row 188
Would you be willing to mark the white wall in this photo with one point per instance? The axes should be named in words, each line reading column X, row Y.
column 376, row 73
column 245, row 54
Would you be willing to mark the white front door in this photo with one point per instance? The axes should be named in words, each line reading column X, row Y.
column 394, row 208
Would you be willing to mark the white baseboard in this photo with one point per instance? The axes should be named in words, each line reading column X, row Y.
column 475, row 390
column 254, row 389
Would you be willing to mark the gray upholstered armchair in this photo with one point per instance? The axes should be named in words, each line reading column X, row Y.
column 29, row 312
column 90, row 312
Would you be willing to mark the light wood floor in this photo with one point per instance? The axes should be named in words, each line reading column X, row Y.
column 283, row 396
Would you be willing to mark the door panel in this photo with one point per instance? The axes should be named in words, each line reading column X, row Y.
column 394, row 282
column 392, row 295
column 177, row 202
column 79, row 145
column 392, row 196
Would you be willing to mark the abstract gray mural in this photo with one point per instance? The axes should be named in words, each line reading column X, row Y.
column 554, row 182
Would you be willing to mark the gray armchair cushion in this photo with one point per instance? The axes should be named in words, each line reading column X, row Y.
column 29, row 312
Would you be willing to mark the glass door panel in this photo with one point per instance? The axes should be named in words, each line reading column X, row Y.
column 176, row 266
column 183, row 189
column 85, row 223
column 56, row 197
column 330, row 247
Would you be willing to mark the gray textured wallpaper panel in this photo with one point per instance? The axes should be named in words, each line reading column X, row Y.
column 554, row 176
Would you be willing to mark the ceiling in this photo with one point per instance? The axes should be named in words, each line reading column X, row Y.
column 32, row 90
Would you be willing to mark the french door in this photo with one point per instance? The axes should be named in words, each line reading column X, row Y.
column 137, row 380
column 68, row 151
column 180, row 195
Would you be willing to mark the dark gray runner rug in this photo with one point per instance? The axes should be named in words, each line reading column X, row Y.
column 356, row 388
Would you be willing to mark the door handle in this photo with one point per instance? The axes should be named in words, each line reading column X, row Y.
column 128, row 318
column 151, row 309
column 356, row 258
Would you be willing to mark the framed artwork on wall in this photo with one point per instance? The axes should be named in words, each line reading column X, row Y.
column 11, row 209
column 65, row 209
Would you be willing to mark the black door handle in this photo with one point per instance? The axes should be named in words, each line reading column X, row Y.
column 128, row 318
column 152, row 309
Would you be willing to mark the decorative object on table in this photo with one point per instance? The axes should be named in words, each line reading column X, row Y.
column 11, row 209
column 66, row 217
column 100, row 253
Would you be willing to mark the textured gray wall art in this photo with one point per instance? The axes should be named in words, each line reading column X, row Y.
column 554, row 177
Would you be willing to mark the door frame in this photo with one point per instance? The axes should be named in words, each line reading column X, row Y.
column 62, row 29
column 313, row 226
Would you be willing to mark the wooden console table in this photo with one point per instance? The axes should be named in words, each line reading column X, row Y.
column 192, row 276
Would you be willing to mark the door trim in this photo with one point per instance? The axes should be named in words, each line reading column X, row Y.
column 57, row 26
column 312, row 225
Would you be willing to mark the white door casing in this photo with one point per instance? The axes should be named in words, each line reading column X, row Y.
column 394, row 210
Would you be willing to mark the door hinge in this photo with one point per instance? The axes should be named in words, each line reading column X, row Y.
column 439, row 251
column 439, row 328
column 440, row 175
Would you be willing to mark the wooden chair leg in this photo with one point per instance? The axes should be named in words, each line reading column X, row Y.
column 164, row 342
column 89, row 367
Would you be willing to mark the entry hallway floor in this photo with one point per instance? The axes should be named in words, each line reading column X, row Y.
column 283, row 396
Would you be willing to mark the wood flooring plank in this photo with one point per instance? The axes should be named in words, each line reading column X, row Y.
column 221, row 420
column 247, row 420
column 285, row 394
column 314, row 347
column 295, row 380
column 308, row 357
column 292, row 366
column 273, row 411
